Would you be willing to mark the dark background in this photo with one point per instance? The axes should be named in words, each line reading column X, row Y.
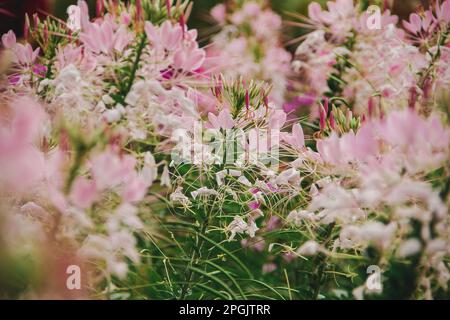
column 12, row 13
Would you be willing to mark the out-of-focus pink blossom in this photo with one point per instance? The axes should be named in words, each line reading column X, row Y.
column 9, row 39
column 221, row 121
column 277, row 118
column 218, row 12
column 189, row 59
column 83, row 193
column 350, row 147
column 22, row 164
column 105, row 37
column 269, row 267
column 296, row 139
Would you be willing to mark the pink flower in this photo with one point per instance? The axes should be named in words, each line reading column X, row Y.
column 415, row 24
column 26, row 55
column 189, row 59
column 269, row 267
column 103, row 37
column 110, row 170
column 277, row 119
column 83, row 193
column 22, row 165
column 443, row 11
column 296, row 139
column 251, row 9
column 219, row 13
column 289, row 257
column 350, row 147
column 273, row 223
column 9, row 40
column 419, row 142
column 337, row 10
column 253, row 205
column 315, row 11
column 256, row 244
column 168, row 36
column 125, row 18
column 134, row 190
column 222, row 121
column 67, row 55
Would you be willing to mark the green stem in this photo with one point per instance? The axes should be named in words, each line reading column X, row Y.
column 434, row 59
column 321, row 263
column 135, row 66
column 195, row 251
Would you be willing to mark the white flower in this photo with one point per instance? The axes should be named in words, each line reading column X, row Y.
column 125, row 214
column 435, row 246
column 409, row 247
column 288, row 177
column 309, row 248
column 234, row 173
column 238, row 225
column 112, row 115
column 74, row 20
column 204, row 191
column 68, row 80
column 313, row 191
column 107, row 99
column 149, row 172
column 378, row 233
column 220, row 176
column 373, row 232
column 178, row 197
column 296, row 217
column 251, row 228
column 165, row 177
column 244, row 181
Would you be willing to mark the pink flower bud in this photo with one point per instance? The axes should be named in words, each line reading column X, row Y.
column 139, row 14
column 426, row 88
column 36, row 21
column 26, row 27
column 349, row 117
column 332, row 121
column 247, row 99
column 371, row 107
column 100, row 6
column 182, row 24
column 325, row 105
column 322, row 118
column 45, row 33
column 412, row 98
column 168, row 7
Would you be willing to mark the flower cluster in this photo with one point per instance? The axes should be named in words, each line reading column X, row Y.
column 374, row 66
column 249, row 46
column 167, row 170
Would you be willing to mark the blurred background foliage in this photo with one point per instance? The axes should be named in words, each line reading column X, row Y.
column 12, row 12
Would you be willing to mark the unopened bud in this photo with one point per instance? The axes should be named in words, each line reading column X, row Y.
column 247, row 99
column 26, row 27
column 139, row 13
column 182, row 23
column 322, row 118
column 168, row 7
column 332, row 121
column 100, row 6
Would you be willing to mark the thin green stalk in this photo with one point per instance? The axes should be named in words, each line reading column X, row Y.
column 189, row 271
column 135, row 66
column 321, row 263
